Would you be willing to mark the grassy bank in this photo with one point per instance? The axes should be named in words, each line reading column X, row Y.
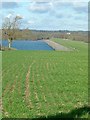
column 3, row 48
column 78, row 45
column 46, row 83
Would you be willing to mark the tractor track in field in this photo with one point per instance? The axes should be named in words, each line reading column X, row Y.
column 27, row 88
column 1, row 104
column 8, row 82
column 20, row 81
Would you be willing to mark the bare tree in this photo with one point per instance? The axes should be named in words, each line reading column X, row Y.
column 10, row 25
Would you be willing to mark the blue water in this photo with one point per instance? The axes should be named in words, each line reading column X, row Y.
column 28, row 45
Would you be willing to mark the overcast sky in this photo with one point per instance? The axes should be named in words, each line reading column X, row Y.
column 49, row 14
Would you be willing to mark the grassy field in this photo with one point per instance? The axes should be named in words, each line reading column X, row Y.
column 46, row 83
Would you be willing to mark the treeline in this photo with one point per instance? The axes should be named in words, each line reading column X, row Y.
column 43, row 34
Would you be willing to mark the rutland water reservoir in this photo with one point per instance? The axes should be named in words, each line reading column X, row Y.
column 28, row 45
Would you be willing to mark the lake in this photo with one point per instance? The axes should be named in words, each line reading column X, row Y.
column 28, row 45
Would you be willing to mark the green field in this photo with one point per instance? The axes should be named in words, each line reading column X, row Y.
column 46, row 83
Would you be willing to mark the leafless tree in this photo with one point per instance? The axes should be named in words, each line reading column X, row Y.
column 10, row 25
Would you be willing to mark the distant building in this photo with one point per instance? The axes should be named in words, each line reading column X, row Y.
column 68, row 33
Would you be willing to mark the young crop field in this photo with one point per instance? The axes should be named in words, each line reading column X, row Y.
column 46, row 83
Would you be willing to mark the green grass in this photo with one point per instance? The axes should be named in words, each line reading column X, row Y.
column 45, row 83
column 0, row 83
column 78, row 45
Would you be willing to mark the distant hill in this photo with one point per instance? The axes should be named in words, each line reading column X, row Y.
column 27, row 34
